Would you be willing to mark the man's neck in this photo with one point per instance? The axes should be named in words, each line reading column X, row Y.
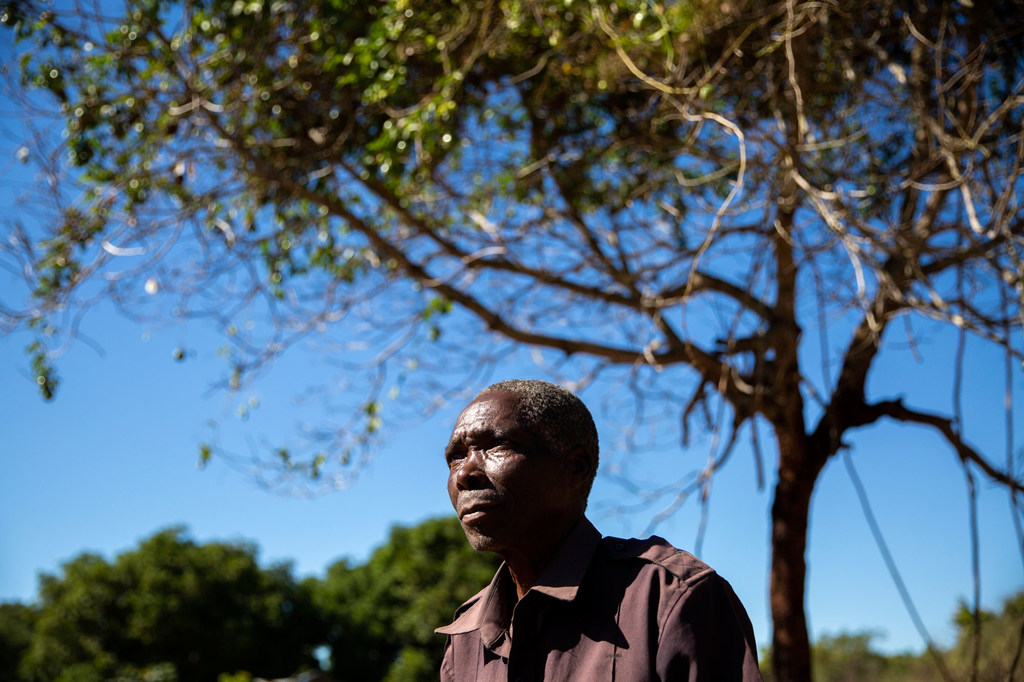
column 526, row 567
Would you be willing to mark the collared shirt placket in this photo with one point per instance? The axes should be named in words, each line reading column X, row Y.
column 527, row 623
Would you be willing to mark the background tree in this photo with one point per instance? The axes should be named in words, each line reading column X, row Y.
column 170, row 610
column 16, row 624
column 852, row 657
column 692, row 199
column 377, row 618
column 382, row 614
column 1000, row 648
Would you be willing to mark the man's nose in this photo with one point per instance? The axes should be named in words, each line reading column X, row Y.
column 470, row 475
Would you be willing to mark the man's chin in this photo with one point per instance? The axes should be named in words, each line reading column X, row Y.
column 482, row 540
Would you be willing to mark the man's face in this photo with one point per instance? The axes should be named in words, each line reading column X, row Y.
column 511, row 495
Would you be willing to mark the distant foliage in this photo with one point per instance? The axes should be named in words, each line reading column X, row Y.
column 172, row 610
column 16, row 624
column 176, row 611
column 382, row 614
column 169, row 611
column 850, row 657
column 1002, row 639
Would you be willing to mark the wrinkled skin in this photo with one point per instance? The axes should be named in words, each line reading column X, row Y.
column 512, row 496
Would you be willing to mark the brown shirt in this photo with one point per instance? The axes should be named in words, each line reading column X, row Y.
column 605, row 609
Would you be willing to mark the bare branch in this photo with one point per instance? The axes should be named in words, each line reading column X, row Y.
column 944, row 425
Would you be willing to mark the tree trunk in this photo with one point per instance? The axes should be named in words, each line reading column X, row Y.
column 791, row 649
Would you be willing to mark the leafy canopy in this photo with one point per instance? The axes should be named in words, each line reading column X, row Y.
column 383, row 613
column 172, row 610
column 192, row 611
column 609, row 180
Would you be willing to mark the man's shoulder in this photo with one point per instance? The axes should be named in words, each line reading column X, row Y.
column 659, row 555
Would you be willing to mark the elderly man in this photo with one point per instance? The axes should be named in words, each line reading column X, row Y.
column 568, row 604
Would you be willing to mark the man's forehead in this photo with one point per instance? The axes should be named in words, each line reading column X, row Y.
column 488, row 410
column 493, row 402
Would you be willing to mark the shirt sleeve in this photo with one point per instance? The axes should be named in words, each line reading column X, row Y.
column 706, row 636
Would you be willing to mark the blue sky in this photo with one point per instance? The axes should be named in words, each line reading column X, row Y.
column 114, row 459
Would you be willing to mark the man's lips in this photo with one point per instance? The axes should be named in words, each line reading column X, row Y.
column 476, row 506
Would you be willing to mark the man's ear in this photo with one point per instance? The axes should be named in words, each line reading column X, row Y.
column 580, row 465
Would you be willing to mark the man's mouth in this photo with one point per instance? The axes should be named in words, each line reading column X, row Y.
column 476, row 509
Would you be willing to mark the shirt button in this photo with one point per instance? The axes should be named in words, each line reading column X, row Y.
column 619, row 546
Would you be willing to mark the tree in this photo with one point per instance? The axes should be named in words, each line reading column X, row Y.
column 682, row 197
column 995, row 650
column 382, row 614
column 175, row 610
column 16, row 624
column 850, row 657
column 169, row 610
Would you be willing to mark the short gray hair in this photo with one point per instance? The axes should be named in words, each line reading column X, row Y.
column 558, row 416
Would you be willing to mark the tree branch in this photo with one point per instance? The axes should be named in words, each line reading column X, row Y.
column 944, row 425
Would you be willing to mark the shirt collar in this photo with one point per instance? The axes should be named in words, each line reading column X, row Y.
column 490, row 611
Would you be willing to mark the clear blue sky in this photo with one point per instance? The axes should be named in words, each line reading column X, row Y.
column 114, row 459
